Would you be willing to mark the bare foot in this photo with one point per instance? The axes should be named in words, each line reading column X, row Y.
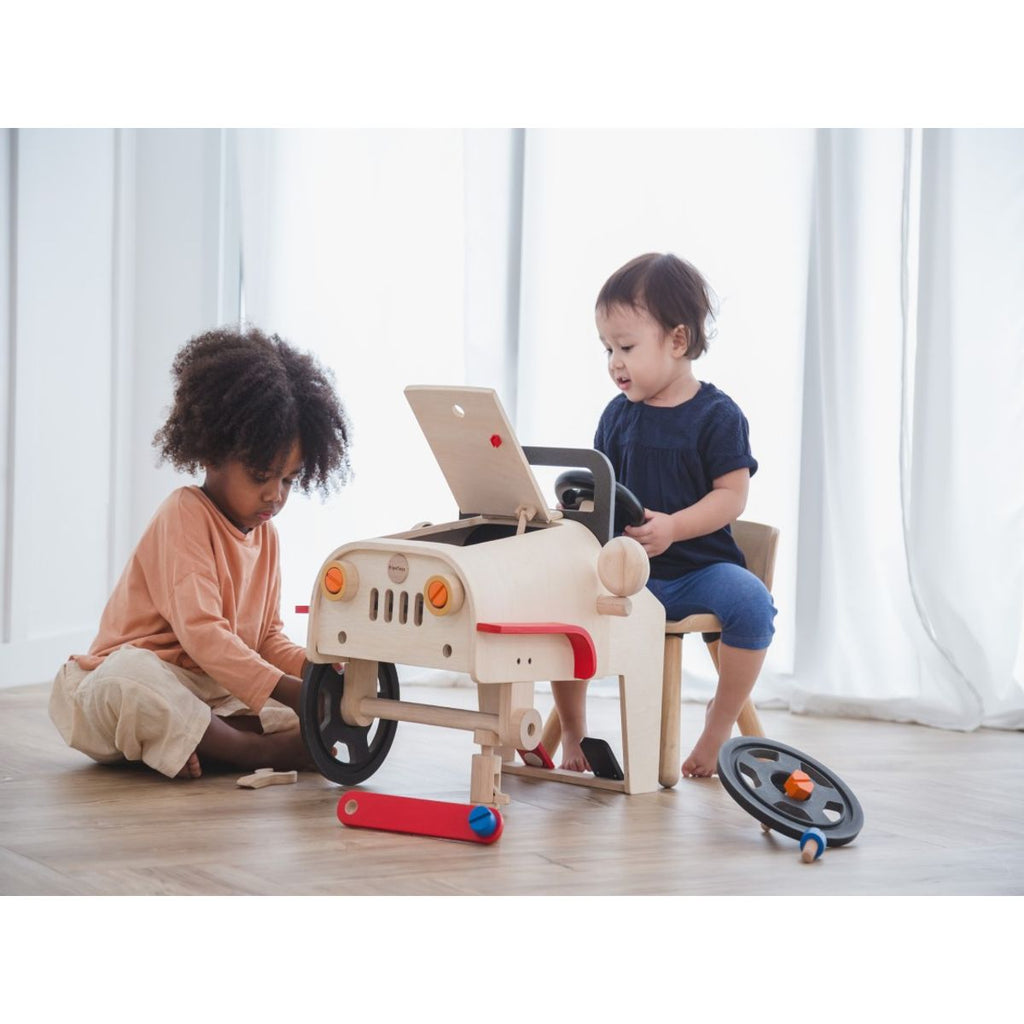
column 229, row 747
column 702, row 762
column 192, row 768
column 285, row 751
column 571, row 701
column 572, row 755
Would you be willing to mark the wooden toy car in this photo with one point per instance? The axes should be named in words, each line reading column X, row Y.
column 511, row 593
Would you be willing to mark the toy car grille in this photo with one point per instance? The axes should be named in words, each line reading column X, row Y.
column 396, row 606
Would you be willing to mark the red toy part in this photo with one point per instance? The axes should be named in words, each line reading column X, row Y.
column 468, row 822
column 583, row 649
column 537, row 758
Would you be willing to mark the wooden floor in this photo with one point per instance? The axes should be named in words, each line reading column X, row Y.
column 944, row 814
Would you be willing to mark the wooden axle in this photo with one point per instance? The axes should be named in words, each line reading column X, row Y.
column 522, row 731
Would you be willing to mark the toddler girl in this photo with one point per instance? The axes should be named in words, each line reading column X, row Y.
column 682, row 447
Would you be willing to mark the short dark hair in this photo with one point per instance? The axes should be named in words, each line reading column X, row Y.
column 242, row 394
column 670, row 289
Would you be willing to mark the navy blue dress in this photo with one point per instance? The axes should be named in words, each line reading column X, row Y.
column 668, row 457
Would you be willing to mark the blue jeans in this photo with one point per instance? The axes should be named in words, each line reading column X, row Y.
column 734, row 595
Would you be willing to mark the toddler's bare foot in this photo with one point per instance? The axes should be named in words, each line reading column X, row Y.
column 702, row 762
column 192, row 768
column 572, row 755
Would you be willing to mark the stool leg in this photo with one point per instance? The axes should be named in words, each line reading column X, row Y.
column 668, row 765
column 749, row 723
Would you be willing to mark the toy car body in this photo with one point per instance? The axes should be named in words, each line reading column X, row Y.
column 510, row 593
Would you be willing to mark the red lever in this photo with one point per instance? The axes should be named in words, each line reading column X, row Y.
column 583, row 650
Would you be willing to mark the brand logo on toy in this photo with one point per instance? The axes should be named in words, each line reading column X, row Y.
column 398, row 568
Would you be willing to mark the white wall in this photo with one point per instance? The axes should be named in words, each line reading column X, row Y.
column 58, row 369
column 186, row 282
column 6, row 386
column 125, row 243
column 111, row 255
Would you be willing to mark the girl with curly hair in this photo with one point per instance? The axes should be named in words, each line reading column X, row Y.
column 190, row 666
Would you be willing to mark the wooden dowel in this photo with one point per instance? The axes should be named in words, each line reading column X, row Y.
column 748, row 721
column 427, row 714
column 671, row 686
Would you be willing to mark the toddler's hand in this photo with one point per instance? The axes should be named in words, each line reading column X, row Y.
column 655, row 534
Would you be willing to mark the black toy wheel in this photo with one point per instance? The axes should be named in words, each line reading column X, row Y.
column 346, row 754
column 577, row 485
column 754, row 770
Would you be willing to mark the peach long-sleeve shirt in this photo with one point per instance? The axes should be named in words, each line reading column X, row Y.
column 203, row 595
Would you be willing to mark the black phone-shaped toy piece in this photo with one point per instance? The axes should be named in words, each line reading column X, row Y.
column 601, row 759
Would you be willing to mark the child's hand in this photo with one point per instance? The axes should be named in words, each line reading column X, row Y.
column 656, row 533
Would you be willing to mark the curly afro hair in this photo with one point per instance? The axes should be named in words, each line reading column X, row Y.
column 240, row 394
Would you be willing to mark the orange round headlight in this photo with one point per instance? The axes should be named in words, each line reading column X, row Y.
column 442, row 595
column 437, row 593
column 334, row 580
column 339, row 581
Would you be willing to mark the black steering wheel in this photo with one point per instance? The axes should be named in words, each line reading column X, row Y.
column 577, row 485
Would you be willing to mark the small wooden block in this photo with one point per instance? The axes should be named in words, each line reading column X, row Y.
column 614, row 606
column 267, row 777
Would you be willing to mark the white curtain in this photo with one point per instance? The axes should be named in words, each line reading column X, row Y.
column 738, row 205
column 352, row 248
column 964, row 417
column 361, row 246
column 911, row 542
column 869, row 325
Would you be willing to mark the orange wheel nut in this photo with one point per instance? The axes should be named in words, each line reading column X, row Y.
column 334, row 580
column 443, row 595
column 798, row 786
column 339, row 581
column 437, row 593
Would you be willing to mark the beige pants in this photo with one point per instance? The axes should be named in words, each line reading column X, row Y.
column 136, row 707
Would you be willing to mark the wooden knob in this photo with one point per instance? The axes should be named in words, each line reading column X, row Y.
column 812, row 845
column 623, row 566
